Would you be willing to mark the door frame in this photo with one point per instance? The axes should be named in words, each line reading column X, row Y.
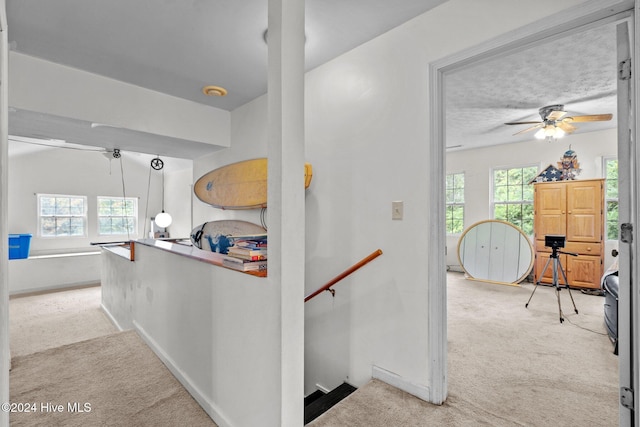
column 579, row 18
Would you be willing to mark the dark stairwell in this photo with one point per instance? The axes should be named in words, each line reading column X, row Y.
column 318, row 402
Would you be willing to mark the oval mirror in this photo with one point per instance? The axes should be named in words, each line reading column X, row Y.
column 495, row 251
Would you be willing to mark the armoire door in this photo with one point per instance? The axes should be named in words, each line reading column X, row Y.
column 584, row 211
column 550, row 210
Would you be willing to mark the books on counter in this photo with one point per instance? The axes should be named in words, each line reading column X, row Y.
column 254, row 242
column 248, row 253
column 244, row 265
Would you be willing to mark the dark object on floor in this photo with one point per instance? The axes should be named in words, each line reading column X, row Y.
column 596, row 292
column 611, row 308
column 317, row 403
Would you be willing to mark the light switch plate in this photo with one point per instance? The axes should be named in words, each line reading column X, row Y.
column 397, row 210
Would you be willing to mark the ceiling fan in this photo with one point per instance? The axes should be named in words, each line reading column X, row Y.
column 555, row 125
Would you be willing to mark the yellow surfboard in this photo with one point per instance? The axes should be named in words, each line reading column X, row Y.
column 241, row 185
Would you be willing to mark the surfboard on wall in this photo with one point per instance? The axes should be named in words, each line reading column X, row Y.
column 241, row 185
column 219, row 236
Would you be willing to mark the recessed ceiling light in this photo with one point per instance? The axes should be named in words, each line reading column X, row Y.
column 214, row 91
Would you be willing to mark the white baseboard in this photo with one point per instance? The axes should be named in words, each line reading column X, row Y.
column 395, row 380
column 111, row 318
column 210, row 408
column 322, row 388
column 53, row 288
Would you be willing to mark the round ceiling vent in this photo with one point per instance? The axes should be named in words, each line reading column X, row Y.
column 214, row 91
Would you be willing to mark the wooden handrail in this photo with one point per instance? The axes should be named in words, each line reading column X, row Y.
column 344, row 274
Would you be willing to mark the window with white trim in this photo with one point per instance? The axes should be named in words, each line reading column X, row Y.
column 455, row 203
column 62, row 215
column 117, row 215
column 513, row 196
column 611, row 197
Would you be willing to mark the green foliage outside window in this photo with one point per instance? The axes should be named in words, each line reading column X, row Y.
column 611, row 198
column 117, row 215
column 62, row 215
column 513, row 196
column 455, row 203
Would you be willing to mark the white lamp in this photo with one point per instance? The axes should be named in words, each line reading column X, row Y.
column 163, row 219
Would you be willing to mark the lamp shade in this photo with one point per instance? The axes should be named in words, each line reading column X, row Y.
column 163, row 219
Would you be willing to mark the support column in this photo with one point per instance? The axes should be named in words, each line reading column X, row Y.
column 286, row 219
column 5, row 355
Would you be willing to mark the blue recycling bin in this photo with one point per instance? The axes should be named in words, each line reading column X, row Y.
column 19, row 245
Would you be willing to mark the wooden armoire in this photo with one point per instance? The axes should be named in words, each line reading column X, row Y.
column 574, row 209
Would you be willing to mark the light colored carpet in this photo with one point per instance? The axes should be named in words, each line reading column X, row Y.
column 47, row 320
column 508, row 365
column 117, row 375
column 66, row 351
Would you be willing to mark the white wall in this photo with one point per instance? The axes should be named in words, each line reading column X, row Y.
column 248, row 141
column 215, row 329
column 75, row 172
column 367, row 137
column 478, row 164
column 68, row 92
column 85, row 173
column 178, row 200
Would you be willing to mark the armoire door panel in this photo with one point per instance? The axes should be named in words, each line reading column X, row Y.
column 584, row 211
column 550, row 210
column 549, row 224
column 584, row 271
column 584, row 228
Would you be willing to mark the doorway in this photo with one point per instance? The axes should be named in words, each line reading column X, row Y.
column 528, row 36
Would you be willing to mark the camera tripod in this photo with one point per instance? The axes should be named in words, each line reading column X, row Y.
column 556, row 265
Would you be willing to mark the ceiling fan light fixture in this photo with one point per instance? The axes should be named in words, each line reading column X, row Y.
column 550, row 132
column 214, row 91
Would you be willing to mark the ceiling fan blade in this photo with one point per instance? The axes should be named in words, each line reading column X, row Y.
column 566, row 127
column 589, row 118
column 524, row 123
column 539, row 125
column 555, row 115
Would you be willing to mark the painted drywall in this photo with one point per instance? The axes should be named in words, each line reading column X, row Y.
column 68, row 92
column 249, row 141
column 367, row 138
column 477, row 165
column 5, row 355
column 86, row 173
column 75, row 172
column 178, row 201
column 213, row 327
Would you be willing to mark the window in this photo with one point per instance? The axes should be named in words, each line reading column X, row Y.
column 62, row 216
column 455, row 203
column 513, row 196
column 117, row 215
column 611, row 197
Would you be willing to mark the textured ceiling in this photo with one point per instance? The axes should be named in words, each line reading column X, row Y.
column 177, row 47
column 578, row 71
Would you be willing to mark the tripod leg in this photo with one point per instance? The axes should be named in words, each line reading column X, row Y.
column 568, row 288
column 556, row 262
column 534, row 291
column 559, row 306
column 538, row 282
